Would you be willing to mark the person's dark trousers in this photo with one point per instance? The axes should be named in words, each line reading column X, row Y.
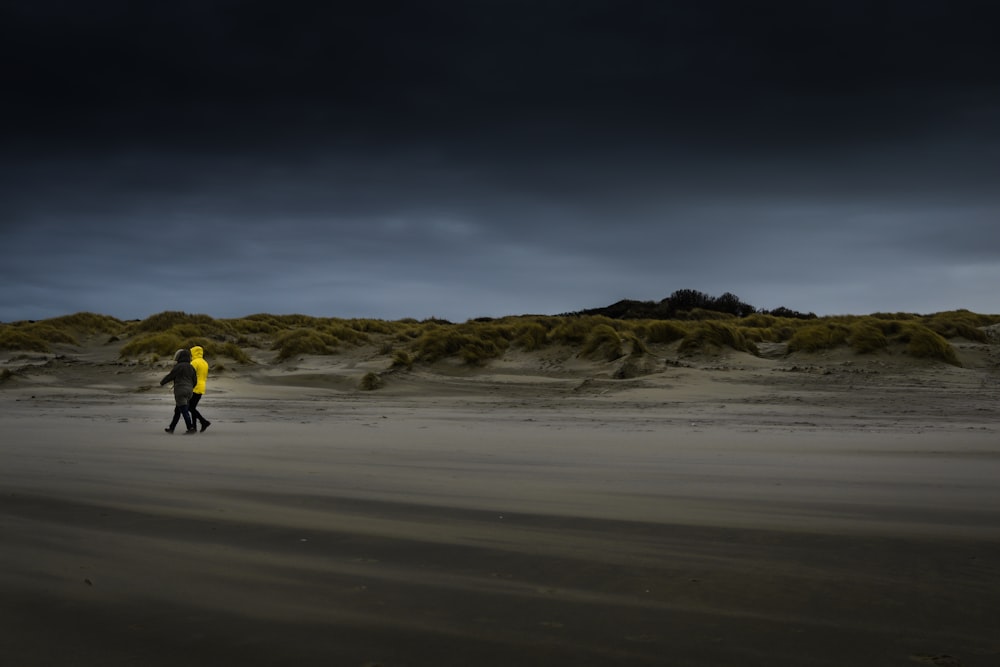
column 195, row 415
column 179, row 411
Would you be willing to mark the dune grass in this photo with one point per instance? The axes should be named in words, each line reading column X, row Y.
column 714, row 335
column 35, row 336
column 923, row 343
column 477, row 342
column 603, row 342
column 304, row 341
column 818, row 337
column 474, row 343
column 866, row 338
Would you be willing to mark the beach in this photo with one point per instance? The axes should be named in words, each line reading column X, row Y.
column 729, row 511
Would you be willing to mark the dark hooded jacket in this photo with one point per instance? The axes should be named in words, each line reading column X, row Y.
column 183, row 374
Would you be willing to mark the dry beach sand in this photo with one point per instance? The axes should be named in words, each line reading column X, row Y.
column 720, row 511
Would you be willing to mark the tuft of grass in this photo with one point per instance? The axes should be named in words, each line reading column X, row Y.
column 233, row 351
column 401, row 359
column 923, row 343
column 637, row 348
column 818, row 337
column 702, row 314
column 303, row 341
column 370, row 326
column 87, row 323
column 574, row 331
column 475, row 345
column 371, row 382
column 866, row 338
column 6, row 374
column 716, row 334
column 255, row 324
column 760, row 321
column 603, row 342
column 531, row 336
column 12, row 338
column 345, row 333
column 959, row 323
column 161, row 344
column 663, row 332
column 169, row 319
column 628, row 370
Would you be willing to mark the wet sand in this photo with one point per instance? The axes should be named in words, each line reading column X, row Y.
column 724, row 529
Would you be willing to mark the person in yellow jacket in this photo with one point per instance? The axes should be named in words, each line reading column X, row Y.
column 201, row 368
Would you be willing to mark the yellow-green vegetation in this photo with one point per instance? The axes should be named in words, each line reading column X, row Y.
column 34, row 336
column 371, row 326
column 228, row 349
column 476, row 342
column 345, row 333
column 371, row 382
column 167, row 343
column 926, row 344
column 603, row 342
column 702, row 314
column 18, row 339
column 960, row 324
column 575, row 331
column 531, row 335
column 87, row 323
column 184, row 324
column 637, row 348
column 865, row 338
column 304, row 341
column 161, row 344
column 402, row 360
column 817, row 337
column 662, row 332
column 715, row 335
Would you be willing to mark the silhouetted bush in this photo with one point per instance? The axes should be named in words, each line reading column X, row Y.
column 781, row 311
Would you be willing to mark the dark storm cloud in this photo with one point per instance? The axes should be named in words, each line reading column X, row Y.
column 471, row 158
column 241, row 75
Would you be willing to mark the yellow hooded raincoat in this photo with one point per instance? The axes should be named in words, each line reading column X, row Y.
column 200, row 367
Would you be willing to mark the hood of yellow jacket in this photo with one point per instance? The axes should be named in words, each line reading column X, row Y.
column 197, row 352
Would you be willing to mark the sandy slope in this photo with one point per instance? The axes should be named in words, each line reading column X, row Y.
column 733, row 510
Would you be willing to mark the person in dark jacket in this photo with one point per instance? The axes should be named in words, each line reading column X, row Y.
column 184, row 378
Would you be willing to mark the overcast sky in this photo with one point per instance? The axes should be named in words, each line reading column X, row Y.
column 473, row 158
